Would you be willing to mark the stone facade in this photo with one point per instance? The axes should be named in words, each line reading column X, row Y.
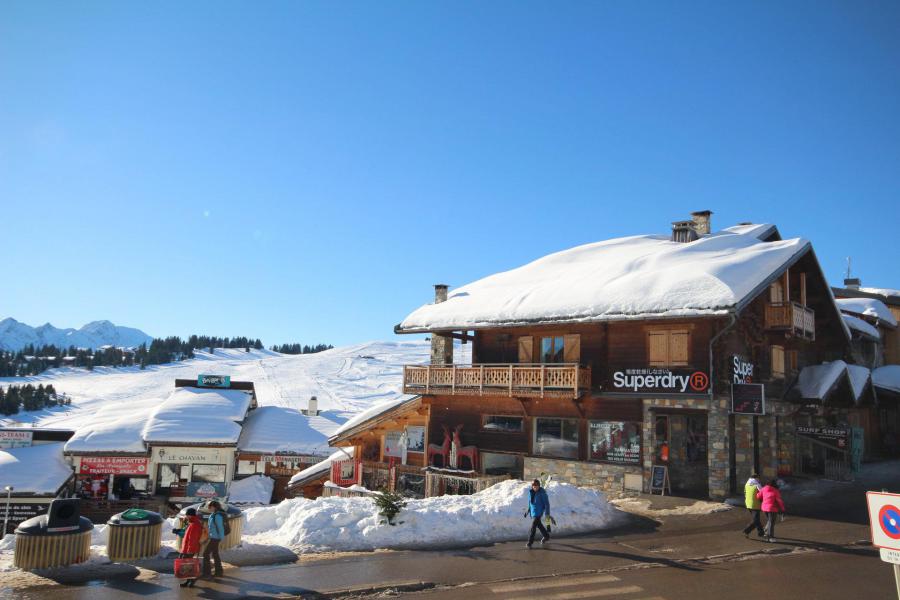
column 602, row 476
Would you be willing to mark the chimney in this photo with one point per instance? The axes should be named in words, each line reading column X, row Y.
column 441, row 345
column 702, row 222
column 852, row 283
column 683, row 232
column 312, row 408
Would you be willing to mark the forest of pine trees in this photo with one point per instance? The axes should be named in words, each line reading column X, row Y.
column 28, row 397
column 300, row 349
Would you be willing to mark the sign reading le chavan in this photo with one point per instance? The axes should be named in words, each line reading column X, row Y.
column 660, row 381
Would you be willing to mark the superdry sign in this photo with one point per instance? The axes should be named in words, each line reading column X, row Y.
column 656, row 380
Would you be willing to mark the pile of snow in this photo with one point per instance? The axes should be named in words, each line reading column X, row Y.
column 15, row 335
column 198, row 415
column 256, row 489
column 869, row 307
column 353, row 524
column 38, row 470
column 863, row 327
column 622, row 278
column 887, row 377
column 282, row 430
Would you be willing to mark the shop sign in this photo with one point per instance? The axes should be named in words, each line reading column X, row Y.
column 20, row 511
column 656, row 380
column 287, row 458
column 830, row 436
column 15, row 439
column 742, row 370
column 113, row 465
column 175, row 454
column 218, row 381
column 748, row 398
column 205, row 490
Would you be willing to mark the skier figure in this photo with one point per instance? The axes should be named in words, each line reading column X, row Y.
column 538, row 506
column 754, row 505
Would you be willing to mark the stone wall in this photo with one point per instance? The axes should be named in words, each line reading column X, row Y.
column 602, row 476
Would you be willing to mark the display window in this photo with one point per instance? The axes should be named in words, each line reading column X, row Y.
column 615, row 442
column 556, row 437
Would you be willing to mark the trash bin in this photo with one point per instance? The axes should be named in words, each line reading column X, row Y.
column 233, row 514
column 38, row 546
column 133, row 534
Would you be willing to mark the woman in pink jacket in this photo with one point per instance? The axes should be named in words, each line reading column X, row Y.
column 772, row 504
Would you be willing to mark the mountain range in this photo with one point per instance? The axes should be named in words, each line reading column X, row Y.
column 15, row 335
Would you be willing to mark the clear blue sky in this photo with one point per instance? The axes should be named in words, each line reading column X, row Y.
column 305, row 171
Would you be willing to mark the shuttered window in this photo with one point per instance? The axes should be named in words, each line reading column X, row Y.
column 776, row 292
column 658, row 348
column 572, row 346
column 526, row 349
column 668, row 348
column 778, row 362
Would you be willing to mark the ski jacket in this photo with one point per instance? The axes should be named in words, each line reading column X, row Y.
column 750, row 490
column 191, row 542
column 216, row 526
column 538, row 503
column 771, row 499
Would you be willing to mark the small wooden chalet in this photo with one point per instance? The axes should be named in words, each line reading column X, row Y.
column 599, row 363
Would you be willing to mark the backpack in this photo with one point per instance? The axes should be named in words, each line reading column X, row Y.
column 226, row 527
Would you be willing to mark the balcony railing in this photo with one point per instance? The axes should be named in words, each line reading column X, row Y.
column 798, row 319
column 532, row 380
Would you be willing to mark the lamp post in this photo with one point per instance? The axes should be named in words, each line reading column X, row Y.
column 9, row 490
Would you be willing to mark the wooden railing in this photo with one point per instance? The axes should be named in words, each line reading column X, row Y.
column 791, row 316
column 539, row 380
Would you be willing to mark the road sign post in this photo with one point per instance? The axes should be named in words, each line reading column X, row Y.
column 884, row 522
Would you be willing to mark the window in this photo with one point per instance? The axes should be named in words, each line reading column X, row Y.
column 556, row 437
column 503, row 424
column 552, row 349
column 792, row 360
column 495, row 463
column 168, row 474
column 778, row 362
column 208, row 473
column 667, row 348
column 776, row 292
column 615, row 441
column 246, row 467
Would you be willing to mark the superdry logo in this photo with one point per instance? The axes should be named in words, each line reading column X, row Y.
column 660, row 380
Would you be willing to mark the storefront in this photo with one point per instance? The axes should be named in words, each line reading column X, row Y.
column 37, row 475
column 104, row 477
column 187, row 474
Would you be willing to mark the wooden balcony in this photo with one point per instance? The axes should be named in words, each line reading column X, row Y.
column 521, row 380
column 792, row 317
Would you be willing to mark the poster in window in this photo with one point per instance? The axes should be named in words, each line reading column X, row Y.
column 615, row 441
column 392, row 443
column 415, row 441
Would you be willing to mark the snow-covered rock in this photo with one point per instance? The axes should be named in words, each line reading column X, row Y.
column 15, row 335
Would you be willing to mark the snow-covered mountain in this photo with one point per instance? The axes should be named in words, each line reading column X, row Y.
column 15, row 335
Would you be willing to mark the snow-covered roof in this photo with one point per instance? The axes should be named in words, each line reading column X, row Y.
column 859, row 378
column 320, row 468
column 869, row 307
column 199, row 416
column 275, row 429
column 372, row 413
column 36, row 470
column 887, row 377
column 881, row 291
column 861, row 326
column 647, row 276
column 817, row 382
column 115, row 427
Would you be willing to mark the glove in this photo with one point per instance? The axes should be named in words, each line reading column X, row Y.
column 525, row 514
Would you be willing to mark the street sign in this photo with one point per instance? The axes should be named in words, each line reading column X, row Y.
column 890, row 556
column 884, row 519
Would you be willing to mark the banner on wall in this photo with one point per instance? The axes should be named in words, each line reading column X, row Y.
column 113, row 465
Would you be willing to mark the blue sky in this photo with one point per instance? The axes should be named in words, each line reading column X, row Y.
column 304, row 171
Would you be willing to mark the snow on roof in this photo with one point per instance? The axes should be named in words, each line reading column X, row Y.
column 199, row 416
column 859, row 325
column 815, row 382
column 859, row 377
column 887, row 377
column 275, row 429
column 36, row 470
column 624, row 278
column 881, row 291
column 869, row 307
column 321, row 468
column 114, row 427
column 372, row 412
column 757, row 230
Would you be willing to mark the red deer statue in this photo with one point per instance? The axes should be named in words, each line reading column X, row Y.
column 443, row 450
column 469, row 451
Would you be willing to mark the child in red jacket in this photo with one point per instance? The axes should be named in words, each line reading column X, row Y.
column 190, row 545
column 771, row 506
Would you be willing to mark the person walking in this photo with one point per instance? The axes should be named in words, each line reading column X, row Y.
column 190, row 543
column 216, row 527
column 538, row 506
column 754, row 505
column 772, row 504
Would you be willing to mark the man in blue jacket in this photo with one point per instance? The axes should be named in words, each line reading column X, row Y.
column 538, row 506
column 216, row 526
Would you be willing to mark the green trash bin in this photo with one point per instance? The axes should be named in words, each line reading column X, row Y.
column 134, row 534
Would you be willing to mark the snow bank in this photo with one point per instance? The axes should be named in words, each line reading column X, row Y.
column 256, row 489
column 859, row 325
column 869, row 307
column 621, row 278
column 38, row 470
column 887, row 377
column 353, row 524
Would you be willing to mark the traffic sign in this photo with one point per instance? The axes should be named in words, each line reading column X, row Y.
column 890, row 556
column 884, row 519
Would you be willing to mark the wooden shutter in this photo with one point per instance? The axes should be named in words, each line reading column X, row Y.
column 777, row 361
column 679, row 342
column 658, row 348
column 776, row 293
column 526, row 349
column 572, row 349
column 803, row 289
column 792, row 361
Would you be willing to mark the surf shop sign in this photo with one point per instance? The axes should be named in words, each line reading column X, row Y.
column 655, row 380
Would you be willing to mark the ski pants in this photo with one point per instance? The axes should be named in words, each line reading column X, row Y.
column 757, row 523
column 535, row 525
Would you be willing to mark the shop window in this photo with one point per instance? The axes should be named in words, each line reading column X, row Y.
column 169, row 474
column 552, row 349
column 777, row 362
column 140, row 484
column 208, row 473
column 503, row 424
column 556, row 437
column 668, row 348
column 495, row 463
column 615, row 441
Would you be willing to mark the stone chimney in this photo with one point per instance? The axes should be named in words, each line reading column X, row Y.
column 441, row 345
column 702, row 221
column 852, row 283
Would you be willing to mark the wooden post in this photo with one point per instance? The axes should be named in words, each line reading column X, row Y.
column 427, row 378
column 787, row 286
column 542, row 380
column 453, row 382
column 510, row 379
column 481, row 380
column 803, row 289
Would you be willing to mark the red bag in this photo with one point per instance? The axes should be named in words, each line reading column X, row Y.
column 187, row 568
